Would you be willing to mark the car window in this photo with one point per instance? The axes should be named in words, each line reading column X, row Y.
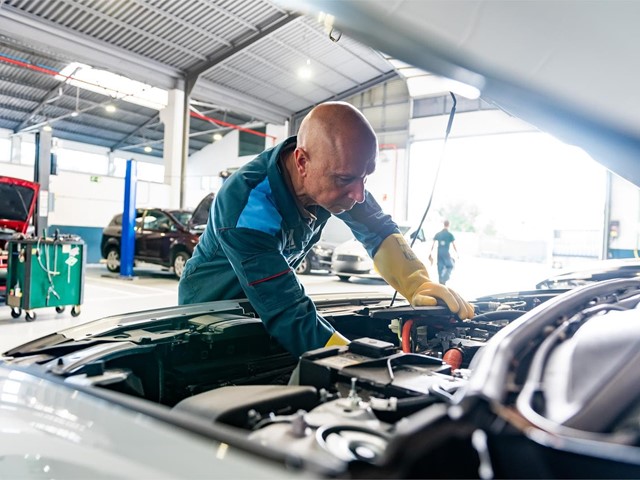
column 156, row 220
column 139, row 217
column 183, row 216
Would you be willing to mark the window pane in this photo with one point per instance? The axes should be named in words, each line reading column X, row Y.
column 250, row 144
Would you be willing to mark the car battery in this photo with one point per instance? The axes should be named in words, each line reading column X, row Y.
column 45, row 272
column 376, row 366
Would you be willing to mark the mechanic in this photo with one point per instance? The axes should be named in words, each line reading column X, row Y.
column 445, row 240
column 269, row 213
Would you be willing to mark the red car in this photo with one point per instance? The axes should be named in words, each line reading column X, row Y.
column 17, row 204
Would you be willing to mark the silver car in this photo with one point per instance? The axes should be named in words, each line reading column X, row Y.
column 540, row 383
column 350, row 259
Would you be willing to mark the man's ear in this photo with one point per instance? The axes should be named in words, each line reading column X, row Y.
column 301, row 161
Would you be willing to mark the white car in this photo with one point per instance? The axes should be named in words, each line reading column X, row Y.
column 350, row 259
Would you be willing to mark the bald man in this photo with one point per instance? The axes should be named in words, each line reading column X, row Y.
column 269, row 214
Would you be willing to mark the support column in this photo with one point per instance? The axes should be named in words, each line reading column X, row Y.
column 172, row 117
column 128, row 234
column 41, row 173
column 16, row 149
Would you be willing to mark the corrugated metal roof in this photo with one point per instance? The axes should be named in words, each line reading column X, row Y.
column 250, row 67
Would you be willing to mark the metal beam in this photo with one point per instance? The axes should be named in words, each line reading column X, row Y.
column 135, row 132
column 346, row 94
column 239, row 102
column 195, row 71
column 16, row 24
column 48, row 98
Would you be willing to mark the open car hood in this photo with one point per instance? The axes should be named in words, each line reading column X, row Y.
column 576, row 81
column 201, row 213
column 17, row 203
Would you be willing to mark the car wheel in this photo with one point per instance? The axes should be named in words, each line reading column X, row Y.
column 113, row 260
column 179, row 261
column 344, row 278
column 304, row 267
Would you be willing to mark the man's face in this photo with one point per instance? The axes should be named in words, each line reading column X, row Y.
column 337, row 182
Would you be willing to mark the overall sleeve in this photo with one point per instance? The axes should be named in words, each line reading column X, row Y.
column 274, row 290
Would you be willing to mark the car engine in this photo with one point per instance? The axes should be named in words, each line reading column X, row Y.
column 546, row 375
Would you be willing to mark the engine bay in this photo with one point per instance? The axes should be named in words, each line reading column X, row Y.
column 417, row 392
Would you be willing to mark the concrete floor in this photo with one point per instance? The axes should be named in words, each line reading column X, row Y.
column 153, row 288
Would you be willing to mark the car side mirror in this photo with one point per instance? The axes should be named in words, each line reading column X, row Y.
column 419, row 235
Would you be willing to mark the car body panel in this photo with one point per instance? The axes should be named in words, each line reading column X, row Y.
column 200, row 215
column 159, row 235
column 350, row 259
column 23, row 195
column 593, row 272
column 55, row 430
column 417, row 393
column 333, row 234
column 17, row 204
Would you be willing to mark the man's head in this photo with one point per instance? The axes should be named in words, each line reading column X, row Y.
column 446, row 224
column 336, row 151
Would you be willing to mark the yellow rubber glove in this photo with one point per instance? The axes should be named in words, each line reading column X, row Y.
column 400, row 267
column 337, row 339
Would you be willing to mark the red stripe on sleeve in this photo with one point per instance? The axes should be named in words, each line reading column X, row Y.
column 284, row 272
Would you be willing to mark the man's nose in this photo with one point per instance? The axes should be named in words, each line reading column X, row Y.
column 357, row 192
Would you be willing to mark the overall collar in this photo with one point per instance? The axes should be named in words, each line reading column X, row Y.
column 282, row 193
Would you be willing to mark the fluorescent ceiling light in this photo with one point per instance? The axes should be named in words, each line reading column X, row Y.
column 305, row 71
column 148, row 149
column 217, row 137
column 113, row 85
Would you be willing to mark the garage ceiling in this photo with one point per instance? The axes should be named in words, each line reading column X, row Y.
column 245, row 54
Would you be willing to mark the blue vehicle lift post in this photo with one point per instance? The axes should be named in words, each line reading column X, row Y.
column 128, row 237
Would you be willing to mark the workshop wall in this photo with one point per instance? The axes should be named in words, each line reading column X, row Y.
column 83, row 204
column 204, row 166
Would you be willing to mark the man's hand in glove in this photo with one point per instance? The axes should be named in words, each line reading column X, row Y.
column 400, row 267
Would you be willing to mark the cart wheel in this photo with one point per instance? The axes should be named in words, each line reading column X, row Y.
column 16, row 312
column 75, row 310
column 59, row 309
column 29, row 316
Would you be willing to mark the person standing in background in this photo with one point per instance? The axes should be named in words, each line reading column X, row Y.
column 445, row 239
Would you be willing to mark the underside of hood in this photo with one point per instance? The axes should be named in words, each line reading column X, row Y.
column 17, row 203
column 568, row 68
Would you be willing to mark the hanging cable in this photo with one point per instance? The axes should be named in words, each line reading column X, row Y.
column 435, row 179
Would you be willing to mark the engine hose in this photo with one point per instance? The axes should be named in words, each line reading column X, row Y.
column 453, row 357
column 406, row 336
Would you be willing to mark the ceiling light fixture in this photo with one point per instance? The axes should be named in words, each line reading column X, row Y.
column 148, row 149
column 305, row 71
column 110, row 108
column 217, row 137
column 47, row 128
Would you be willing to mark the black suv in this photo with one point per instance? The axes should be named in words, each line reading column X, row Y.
column 163, row 237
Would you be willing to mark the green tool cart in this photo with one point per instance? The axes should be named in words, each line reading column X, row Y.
column 45, row 272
